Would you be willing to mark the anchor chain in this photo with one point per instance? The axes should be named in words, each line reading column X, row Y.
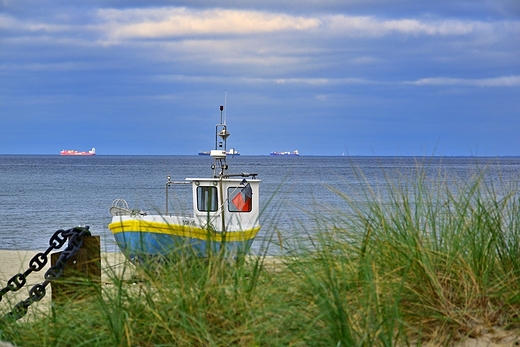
column 38, row 262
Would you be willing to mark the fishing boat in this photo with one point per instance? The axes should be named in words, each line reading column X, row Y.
column 225, row 216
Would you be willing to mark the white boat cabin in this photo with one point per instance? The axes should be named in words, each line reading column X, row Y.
column 226, row 204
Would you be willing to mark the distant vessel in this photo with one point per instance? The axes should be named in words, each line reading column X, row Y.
column 74, row 152
column 231, row 152
column 293, row 153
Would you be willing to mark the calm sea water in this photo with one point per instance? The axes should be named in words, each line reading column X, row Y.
column 40, row 194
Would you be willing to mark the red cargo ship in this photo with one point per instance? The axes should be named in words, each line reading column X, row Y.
column 73, row 152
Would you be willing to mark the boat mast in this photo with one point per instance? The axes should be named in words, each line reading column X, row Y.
column 219, row 166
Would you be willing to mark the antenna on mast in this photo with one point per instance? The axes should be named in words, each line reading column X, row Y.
column 225, row 106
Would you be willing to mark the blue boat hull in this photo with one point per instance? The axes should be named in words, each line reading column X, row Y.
column 142, row 245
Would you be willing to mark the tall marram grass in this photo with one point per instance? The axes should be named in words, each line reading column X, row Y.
column 419, row 261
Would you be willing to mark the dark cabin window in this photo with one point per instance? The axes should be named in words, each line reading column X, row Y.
column 207, row 199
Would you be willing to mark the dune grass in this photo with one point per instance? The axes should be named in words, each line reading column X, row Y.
column 428, row 263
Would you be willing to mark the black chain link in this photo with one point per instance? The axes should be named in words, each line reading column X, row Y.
column 38, row 262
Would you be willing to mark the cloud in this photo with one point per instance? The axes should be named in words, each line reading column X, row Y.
column 15, row 25
column 373, row 26
column 181, row 21
column 114, row 25
column 506, row 81
column 7, row 22
column 268, row 81
column 322, row 81
column 171, row 22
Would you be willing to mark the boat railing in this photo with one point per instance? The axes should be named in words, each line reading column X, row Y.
column 120, row 208
column 169, row 182
column 243, row 174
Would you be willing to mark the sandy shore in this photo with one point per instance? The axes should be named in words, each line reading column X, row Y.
column 14, row 262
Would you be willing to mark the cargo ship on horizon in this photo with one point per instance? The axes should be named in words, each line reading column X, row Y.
column 293, row 153
column 74, row 152
column 232, row 152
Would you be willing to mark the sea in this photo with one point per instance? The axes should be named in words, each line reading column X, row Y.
column 40, row 194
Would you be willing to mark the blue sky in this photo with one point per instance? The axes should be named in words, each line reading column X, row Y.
column 360, row 77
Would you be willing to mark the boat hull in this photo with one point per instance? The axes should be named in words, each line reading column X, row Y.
column 139, row 240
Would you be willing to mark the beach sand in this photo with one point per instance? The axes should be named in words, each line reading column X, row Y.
column 13, row 262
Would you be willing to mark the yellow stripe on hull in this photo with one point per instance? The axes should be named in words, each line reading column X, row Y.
column 135, row 225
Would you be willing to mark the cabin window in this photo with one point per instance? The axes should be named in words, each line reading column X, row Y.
column 207, row 199
column 240, row 199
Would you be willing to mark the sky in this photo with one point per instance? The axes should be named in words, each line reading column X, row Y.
column 325, row 77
